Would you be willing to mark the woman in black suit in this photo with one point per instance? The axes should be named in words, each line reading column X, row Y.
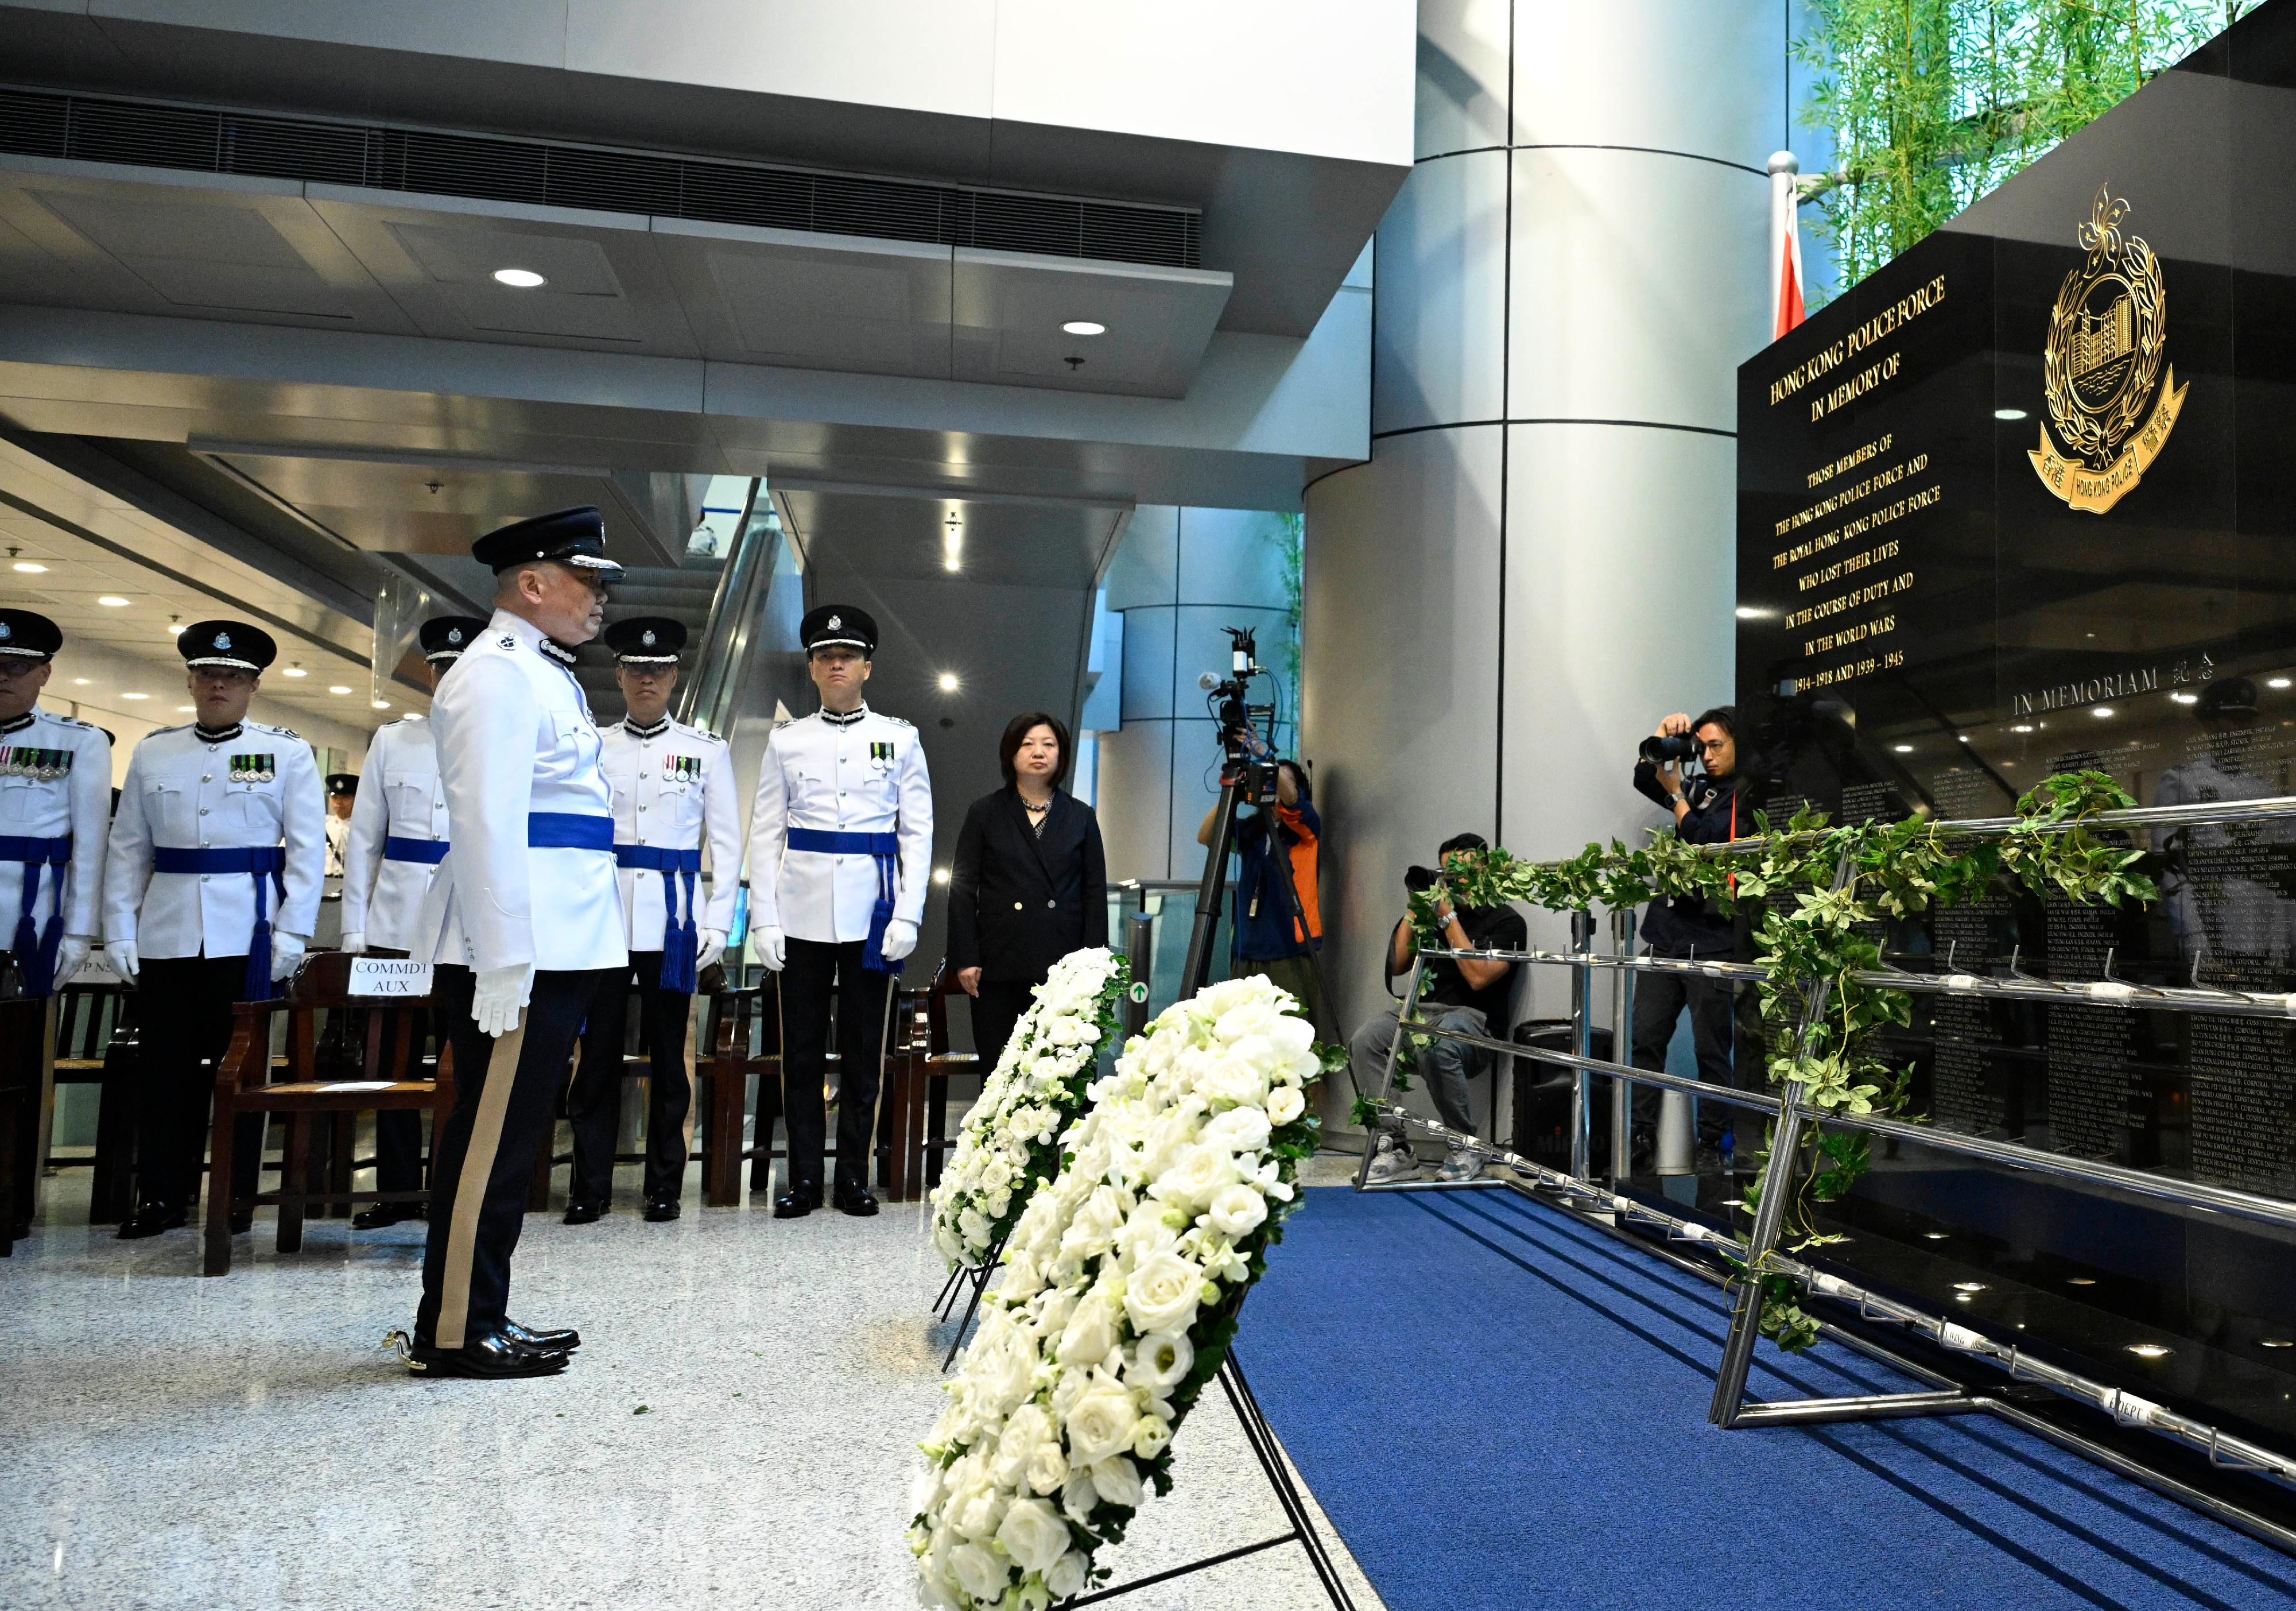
column 1030, row 883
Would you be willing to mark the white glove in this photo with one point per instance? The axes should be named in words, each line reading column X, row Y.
column 712, row 946
column 286, row 955
column 771, row 947
column 501, row 996
column 71, row 950
column 124, row 959
column 900, row 938
column 353, row 943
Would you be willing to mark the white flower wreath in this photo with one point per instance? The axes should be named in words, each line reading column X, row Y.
column 1010, row 1143
column 1121, row 1286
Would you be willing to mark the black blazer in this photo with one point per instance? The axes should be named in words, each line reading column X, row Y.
column 1017, row 903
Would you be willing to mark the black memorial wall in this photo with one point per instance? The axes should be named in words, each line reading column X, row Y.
column 2024, row 500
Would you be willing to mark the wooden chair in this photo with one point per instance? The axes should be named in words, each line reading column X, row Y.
column 23, row 1030
column 736, row 1018
column 322, row 985
column 912, row 1113
column 97, row 1044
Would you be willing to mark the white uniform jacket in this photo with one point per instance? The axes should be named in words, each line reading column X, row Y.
column 673, row 790
column 516, row 743
column 259, row 789
column 56, row 781
column 864, row 775
column 398, row 828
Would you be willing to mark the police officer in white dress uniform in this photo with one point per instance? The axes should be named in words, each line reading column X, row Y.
column 673, row 788
column 840, row 850
column 525, row 924
column 397, row 839
column 342, row 800
column 55, row 814
column 210, row 892
column 55, row 810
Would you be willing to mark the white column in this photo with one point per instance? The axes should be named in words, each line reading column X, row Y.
column 1539, row 560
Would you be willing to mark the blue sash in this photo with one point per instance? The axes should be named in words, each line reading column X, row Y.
column 884, row 848
column 680, row 944
column 431, row 853
column 569, row 830
column 255, row 860
column 36, row 952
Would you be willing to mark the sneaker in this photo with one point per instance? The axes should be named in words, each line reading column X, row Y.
column 1393, row 1161
column 1463, row 1163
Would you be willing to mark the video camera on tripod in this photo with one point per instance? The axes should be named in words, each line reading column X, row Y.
column 1246, row 731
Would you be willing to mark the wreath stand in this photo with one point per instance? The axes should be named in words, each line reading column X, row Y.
column 975, row 1277
column 1301, row 1530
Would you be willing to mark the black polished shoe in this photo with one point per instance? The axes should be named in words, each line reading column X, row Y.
column 151, row 1221
column 859, row 1203
column 563, row 1341
column 794, row 1203
column 242, row 1221
column 660, row 1210
column 584, row 1213
column 386, row 1213
column 497, row 1355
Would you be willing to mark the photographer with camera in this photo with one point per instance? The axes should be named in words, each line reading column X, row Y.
column 1273, row 936
column 1709, row 807
column 1468, row 996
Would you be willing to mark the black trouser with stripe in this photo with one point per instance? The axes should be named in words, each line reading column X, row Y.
column 594, row 1104
column 506, row 1092
column 816, row 973
column 184, row 1023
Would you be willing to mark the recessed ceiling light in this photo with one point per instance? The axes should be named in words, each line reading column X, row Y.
column 1083, row 327
column 294, row 671
column 135, row 696
column 186, row 708
column 949, row 682
column 337, row 688
column 80, row 682
column 1936, row 1236
column 113, row 601
column 2149, row 1351
column 940, row 874
column 2008, row 413
column 2276, row 1343
column 1969, row 1287
column 2023, row 727
column 1902, row 749
column 176, row 630
column 382, row 704
column 2101, row 710
column 523, row 279
column 2276, row 682
column 2080, row 1280
column 30, row 567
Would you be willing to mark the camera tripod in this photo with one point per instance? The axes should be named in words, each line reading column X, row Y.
column 1196, row 971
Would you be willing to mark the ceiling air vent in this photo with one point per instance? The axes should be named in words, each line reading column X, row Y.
column 90, row 128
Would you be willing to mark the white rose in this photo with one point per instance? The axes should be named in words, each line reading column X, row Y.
column 1291, row 1035
column 1285, row 1104
column 1034, row 1535
column 1100, row 1423
column 978, row 1512
column 978, row 1573
column 1240, row 1130
column 1159, row 1361
column 1005, row 1372
column 1048, row 1469
column 1065, row 1577
column 1090, row 1335
column 1116, row 1481
column 1197, row 1175
column 1028, row 1430
column 1150, row 1438
column 1162, row 1293
column 1237, row 1079
column 997, row 1175
column 1237, row 1210
column 1077, row 1495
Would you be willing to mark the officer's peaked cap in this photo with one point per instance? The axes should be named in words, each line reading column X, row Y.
column 832, row 626
column 647, row 640
column 444, row 637
column 342, row 782
column 571, row 537
column 25, row 636
column 227, row 643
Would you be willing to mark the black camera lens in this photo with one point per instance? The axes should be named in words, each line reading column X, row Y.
column 1659, row 751
column 1416, row 879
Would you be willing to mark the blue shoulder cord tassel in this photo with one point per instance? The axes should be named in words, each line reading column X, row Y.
column 872, row 955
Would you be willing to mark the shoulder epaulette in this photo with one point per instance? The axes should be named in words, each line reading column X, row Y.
column 896, row 720
column 68, row 721
column 282, row 732
column 181, row 727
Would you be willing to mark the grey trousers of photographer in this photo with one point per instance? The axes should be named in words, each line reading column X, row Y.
column 1445, row 1064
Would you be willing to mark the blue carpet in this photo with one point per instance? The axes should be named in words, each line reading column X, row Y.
column 1500, row 1408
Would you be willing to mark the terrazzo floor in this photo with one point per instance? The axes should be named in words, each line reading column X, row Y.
column 737, row 1431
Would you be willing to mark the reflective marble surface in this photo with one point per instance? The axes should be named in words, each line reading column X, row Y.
column 738, row 1429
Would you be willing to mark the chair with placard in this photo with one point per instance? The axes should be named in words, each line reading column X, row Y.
column 735, row 1020
column 97, row 1044
column 392, row 1078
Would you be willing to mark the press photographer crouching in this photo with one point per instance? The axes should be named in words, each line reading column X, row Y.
column 1470, row 996
column 1709, row 807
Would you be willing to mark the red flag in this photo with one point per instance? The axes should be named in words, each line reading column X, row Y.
column 1786, row 309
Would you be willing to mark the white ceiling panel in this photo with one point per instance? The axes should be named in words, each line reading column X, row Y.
column 811, row 302
column 1009, row 308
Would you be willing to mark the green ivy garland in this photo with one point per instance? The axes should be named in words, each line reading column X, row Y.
column 1809, row 937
